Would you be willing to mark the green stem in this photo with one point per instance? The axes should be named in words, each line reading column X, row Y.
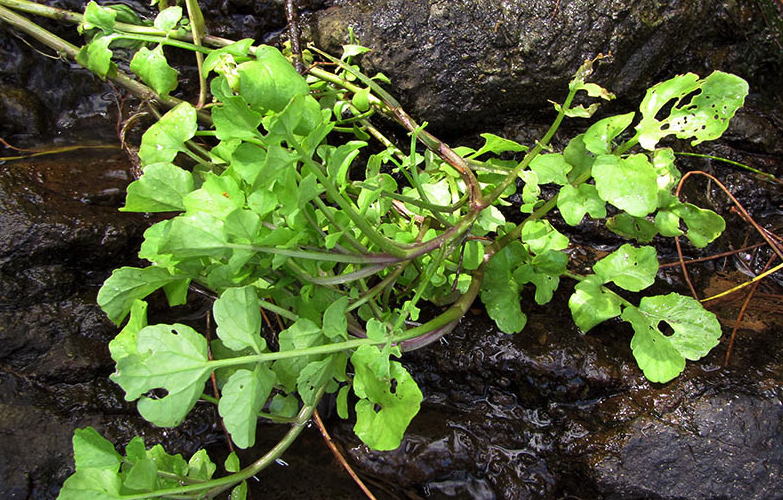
column 214, row 487
column 63, row 47
column 530, row 156
column 765, row 175
column 384, row 243
column 165, row 41
column 537, row 214
column 374, row 258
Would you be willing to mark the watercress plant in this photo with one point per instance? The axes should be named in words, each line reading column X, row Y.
column 286, row 200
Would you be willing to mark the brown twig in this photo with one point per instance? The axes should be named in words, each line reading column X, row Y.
column 742, row 312
column 712, row 257
column 741, row 210
column 339, row 456
column 294, row 35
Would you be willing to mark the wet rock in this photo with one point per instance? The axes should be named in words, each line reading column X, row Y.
column 58, row 245
column 468, row 64
column 552, row 413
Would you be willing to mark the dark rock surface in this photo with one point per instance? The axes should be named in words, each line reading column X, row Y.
column 551, row 413
column 467, row 64
column 60, row 237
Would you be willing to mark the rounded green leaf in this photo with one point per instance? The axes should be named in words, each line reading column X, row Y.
column 598, row 138
column 269, row 82
column 590, row 304
column 633, row 269
column 162, row 141
column 154, row 70
column 630, row 184
column 161, row 188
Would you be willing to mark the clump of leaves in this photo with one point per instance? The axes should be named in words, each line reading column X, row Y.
column 272, row 212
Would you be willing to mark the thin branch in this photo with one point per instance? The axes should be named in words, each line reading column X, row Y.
column 339, row 456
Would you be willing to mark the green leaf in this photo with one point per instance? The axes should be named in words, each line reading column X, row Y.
column 705, row 116
column 545, row 284
column 161, row 188
column 662, row 357
column 376, row 330
column 154, row 70
column 342, row 401
column 93, row 451
column 340, row 159
column 313, row 376
column 668, row 176
column 489, row 220
column 126, row 285
column 163, row 140
column 703, row 225
column 232, row 462
column 574, row 203
column 595, row 90
column 243, row 396
column 171, row 357
column 135, row 450
column 239, row 319
column 143, row 476
column 386, row 406
column 551, row 168
column 92, row 484
column 239, row 492
column 235, row 50
column 633, row 269
column 124, row 344
column 540, row 236
column 630, row 184
column 497, row 145
column 361, row 99
column 235, row 120
column 96, row 16
column 200, row 466
column 598, row 138
column 284, row 406
column 500, row 292
column 168, row 18
column 637, row 228
column 269, row 82
column 217, row 196
column 243, row 224
column 667, row 223
column 350, row 50
column 590, row 304
column 195, row 235
column 96, row 56
column 302, row 334
column 335, row 322
column 576, row 154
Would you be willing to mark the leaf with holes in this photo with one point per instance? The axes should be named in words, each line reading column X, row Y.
column 703, row 117
column 386, row 406
column 662, row 357
column 170, row 357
